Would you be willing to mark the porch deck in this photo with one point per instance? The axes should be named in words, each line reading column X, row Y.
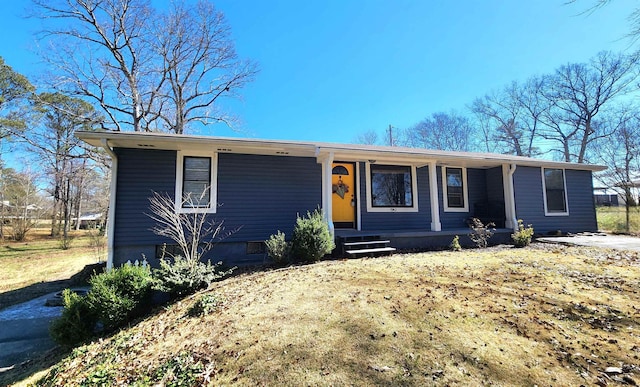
column 421, row 239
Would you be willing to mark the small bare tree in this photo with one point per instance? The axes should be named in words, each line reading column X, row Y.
column 481, row 233
column 23, row 202
column 195, row 234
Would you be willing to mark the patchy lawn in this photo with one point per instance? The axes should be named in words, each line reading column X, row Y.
column 39, row 265
column 613, row 219
column 543, row 315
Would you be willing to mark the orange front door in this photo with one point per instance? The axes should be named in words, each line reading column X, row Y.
column 344, row 203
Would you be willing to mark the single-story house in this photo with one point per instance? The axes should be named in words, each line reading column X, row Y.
column 90, row 220
column 413, row 198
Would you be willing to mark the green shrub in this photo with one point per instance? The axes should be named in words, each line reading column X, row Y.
column 206, row 304
column 522, row 237
column 186, row 276
column 77, row 322
column 455, row 244
column 115, row 297
column 311, row 238
column 278, row 249
column 118, row 295
column 481, row 233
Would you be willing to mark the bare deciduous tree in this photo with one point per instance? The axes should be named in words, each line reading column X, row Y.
column 147, row 69
column 200, row 65
column 444, row 131
column 577, row 93
column 510, row 118
column 621, row 153
column 22, row 203
column 99, row 51
column 370, row 137
column 534, row 105
column 60, row 152
column 633, row 18
column 501, row 112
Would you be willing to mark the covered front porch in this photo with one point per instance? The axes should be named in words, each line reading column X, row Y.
column 417, row 201
column 413, row 240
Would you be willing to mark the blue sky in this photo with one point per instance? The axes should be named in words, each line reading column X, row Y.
column 332, row 69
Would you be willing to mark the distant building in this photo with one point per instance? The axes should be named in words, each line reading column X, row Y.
column 89, row 221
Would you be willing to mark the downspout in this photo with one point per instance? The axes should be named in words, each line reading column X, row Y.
column 111, row 217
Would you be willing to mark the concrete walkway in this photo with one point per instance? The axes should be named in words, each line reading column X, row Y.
column 608, row 241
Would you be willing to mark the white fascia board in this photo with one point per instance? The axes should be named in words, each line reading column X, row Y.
column 299, row 148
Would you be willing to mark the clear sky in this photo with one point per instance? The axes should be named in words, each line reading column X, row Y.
column 331, row 69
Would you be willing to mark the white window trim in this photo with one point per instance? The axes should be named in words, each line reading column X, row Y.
column 213, row 198
column 544, row 193
column 414, row 191
column 465, row 190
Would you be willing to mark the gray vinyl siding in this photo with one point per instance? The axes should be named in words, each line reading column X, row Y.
column 382, row 221
column 477, row 188
column 264, row 194
column 530, row 201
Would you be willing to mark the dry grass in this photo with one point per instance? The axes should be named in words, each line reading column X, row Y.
column 41, row 260
column 544, row 315
column 613, row 219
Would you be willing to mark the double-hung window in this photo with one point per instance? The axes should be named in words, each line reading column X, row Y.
column 392, row 188
column 195, row 185
column 555, row 192
column 454, row 182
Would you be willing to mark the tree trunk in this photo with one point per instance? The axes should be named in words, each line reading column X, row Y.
column 78, row 199
column 78, row 212
column 627, row 205
column 55, row 230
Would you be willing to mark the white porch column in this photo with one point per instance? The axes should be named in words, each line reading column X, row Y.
column 327, row 202
column 433, row 197
column 509, row 196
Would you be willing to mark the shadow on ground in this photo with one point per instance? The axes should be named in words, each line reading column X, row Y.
column 29, row 367
column 30, row 292
column 40, row 351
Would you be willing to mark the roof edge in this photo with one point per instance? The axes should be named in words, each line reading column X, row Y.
column 174, row 141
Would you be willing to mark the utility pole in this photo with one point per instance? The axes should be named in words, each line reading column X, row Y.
column 390, row 135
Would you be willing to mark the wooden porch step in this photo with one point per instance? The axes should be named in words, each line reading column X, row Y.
column 373, row 242
column 372, row 251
